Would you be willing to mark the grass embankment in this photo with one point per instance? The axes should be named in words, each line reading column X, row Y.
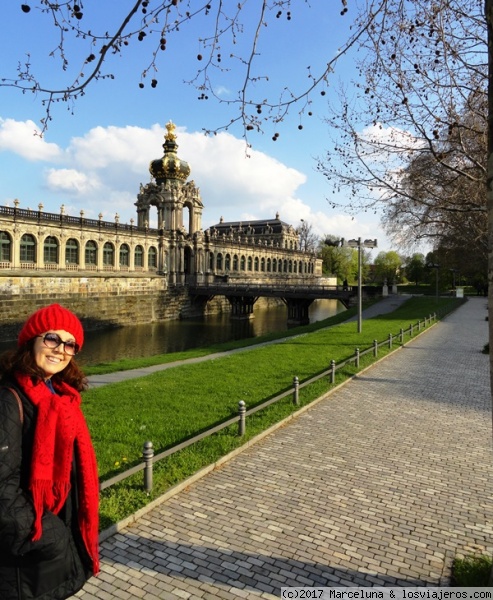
column 173, row 405
column 126, row 364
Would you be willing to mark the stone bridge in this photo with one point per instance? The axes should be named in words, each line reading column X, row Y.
column 298, row 298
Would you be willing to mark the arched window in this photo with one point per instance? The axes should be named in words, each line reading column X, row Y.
column 28, row 248
column 250, row 263
column 91, row 253
column 285, row 266
column 152, row 258
column 295, row 266
column 262, row 265
column 139, row 256
column 235, row 262
column 72, row 252
column 242, row 263
column 301, row 267
column 274, row 265
column 290, row 266
column 227, row 263
column 124, row 255
column 5, row 246
column 211, row 261
column 269, row 265
column 255, row 263
column 50, row 250
column 108, row 255
column 219, row 262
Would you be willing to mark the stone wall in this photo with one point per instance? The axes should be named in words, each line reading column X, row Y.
column 100, row 301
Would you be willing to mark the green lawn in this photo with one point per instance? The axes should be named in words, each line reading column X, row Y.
column 173, row 405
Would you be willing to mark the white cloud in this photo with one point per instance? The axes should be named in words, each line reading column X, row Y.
column 71, row 181
column 111, row 162
column 221, row 90
column 23, row 138
column 258, row 185
column 104, row 168
column 104, row 147
column 383, row 142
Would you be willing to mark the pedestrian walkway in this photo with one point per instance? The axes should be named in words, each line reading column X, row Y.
column 381, row 483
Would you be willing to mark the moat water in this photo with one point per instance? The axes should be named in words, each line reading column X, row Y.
column 176, row 336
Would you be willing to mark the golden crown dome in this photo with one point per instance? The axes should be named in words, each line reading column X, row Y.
column 169, row 166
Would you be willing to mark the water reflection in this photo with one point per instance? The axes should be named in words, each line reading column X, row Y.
column 175, row 336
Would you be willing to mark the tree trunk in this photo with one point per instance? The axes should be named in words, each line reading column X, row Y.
column 489, row 190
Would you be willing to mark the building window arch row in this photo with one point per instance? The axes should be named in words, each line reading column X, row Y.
column 23, row 247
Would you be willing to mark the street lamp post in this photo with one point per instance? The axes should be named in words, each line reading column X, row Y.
column 359, row 243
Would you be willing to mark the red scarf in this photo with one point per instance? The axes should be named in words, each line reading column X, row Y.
column 60, row 423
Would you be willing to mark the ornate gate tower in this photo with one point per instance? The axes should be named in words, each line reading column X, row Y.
column 170, row 193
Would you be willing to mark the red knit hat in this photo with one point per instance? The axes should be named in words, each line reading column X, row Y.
column 54, row 317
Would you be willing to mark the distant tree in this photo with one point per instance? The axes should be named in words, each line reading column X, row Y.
column 387, row 266
column 308, row 240
column 339, row 261
column 410, row 134
column 415, row 268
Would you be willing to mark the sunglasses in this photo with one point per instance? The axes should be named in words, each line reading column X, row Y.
column 53, row 340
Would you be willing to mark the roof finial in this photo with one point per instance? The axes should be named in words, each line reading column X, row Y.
column 170, row 135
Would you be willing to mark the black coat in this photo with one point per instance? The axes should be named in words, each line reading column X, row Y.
column 56, row 566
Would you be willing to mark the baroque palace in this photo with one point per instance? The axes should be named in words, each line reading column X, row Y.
column 112, row 273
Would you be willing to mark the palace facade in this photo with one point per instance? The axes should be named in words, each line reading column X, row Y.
column 85, row 259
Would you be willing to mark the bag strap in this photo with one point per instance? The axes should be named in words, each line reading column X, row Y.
column 19, row 403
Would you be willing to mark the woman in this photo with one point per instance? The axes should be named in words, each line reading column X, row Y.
column 48, row 474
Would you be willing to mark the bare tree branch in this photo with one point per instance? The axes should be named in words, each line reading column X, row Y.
column 221, row 25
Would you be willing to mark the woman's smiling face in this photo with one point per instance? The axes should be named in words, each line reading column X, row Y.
column 52, row 360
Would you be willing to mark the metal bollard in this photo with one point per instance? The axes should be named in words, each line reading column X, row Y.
column 148, row 455
column 296, row 391
column 332, row 371
column 242, row 415
column 390, row 340
column 375, row 348
column 356, row 362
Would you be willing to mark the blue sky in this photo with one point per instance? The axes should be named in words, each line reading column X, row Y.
column 96, row 153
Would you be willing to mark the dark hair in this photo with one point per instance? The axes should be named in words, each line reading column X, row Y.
column 21, row 360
